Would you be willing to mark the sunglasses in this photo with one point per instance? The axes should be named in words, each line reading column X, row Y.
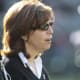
column 44, row 27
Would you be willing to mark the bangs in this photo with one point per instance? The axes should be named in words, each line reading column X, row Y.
column 43, row 14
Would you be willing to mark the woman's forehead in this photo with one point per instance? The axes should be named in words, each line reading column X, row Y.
column 51, row 20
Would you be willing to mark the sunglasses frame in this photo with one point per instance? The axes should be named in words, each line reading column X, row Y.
column 44, row 27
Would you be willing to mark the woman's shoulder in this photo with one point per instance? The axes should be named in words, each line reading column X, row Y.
column 12, row 60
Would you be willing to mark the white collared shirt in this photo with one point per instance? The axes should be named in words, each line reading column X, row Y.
column 37, row 62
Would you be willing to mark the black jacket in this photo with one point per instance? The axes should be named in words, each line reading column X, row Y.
column 17, row 70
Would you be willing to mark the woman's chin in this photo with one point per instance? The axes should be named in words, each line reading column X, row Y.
column 46, row 48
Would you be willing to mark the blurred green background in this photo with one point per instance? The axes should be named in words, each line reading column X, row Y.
column 63, row 59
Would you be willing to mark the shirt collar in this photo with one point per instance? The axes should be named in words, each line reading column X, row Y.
column 38, row 63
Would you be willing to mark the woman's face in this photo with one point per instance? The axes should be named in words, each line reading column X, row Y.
column 41, row 39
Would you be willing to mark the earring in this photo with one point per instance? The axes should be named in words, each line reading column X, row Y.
column 24, row 38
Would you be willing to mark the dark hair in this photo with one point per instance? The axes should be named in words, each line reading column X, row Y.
column 20, row 20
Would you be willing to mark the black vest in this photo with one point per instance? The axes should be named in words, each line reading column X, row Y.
column 17, row 70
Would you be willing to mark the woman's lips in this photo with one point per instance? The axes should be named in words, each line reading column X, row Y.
column 48, row 40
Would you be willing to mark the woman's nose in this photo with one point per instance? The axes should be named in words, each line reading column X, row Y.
column 50, row 30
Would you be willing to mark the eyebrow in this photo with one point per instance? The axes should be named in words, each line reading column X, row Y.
column 51, row 21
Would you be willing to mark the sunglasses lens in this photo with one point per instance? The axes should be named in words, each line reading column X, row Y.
column 44, row 27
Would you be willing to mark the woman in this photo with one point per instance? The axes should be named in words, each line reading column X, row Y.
column 28, row 29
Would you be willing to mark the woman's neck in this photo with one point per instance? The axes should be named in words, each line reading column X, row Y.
column 32, row 52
